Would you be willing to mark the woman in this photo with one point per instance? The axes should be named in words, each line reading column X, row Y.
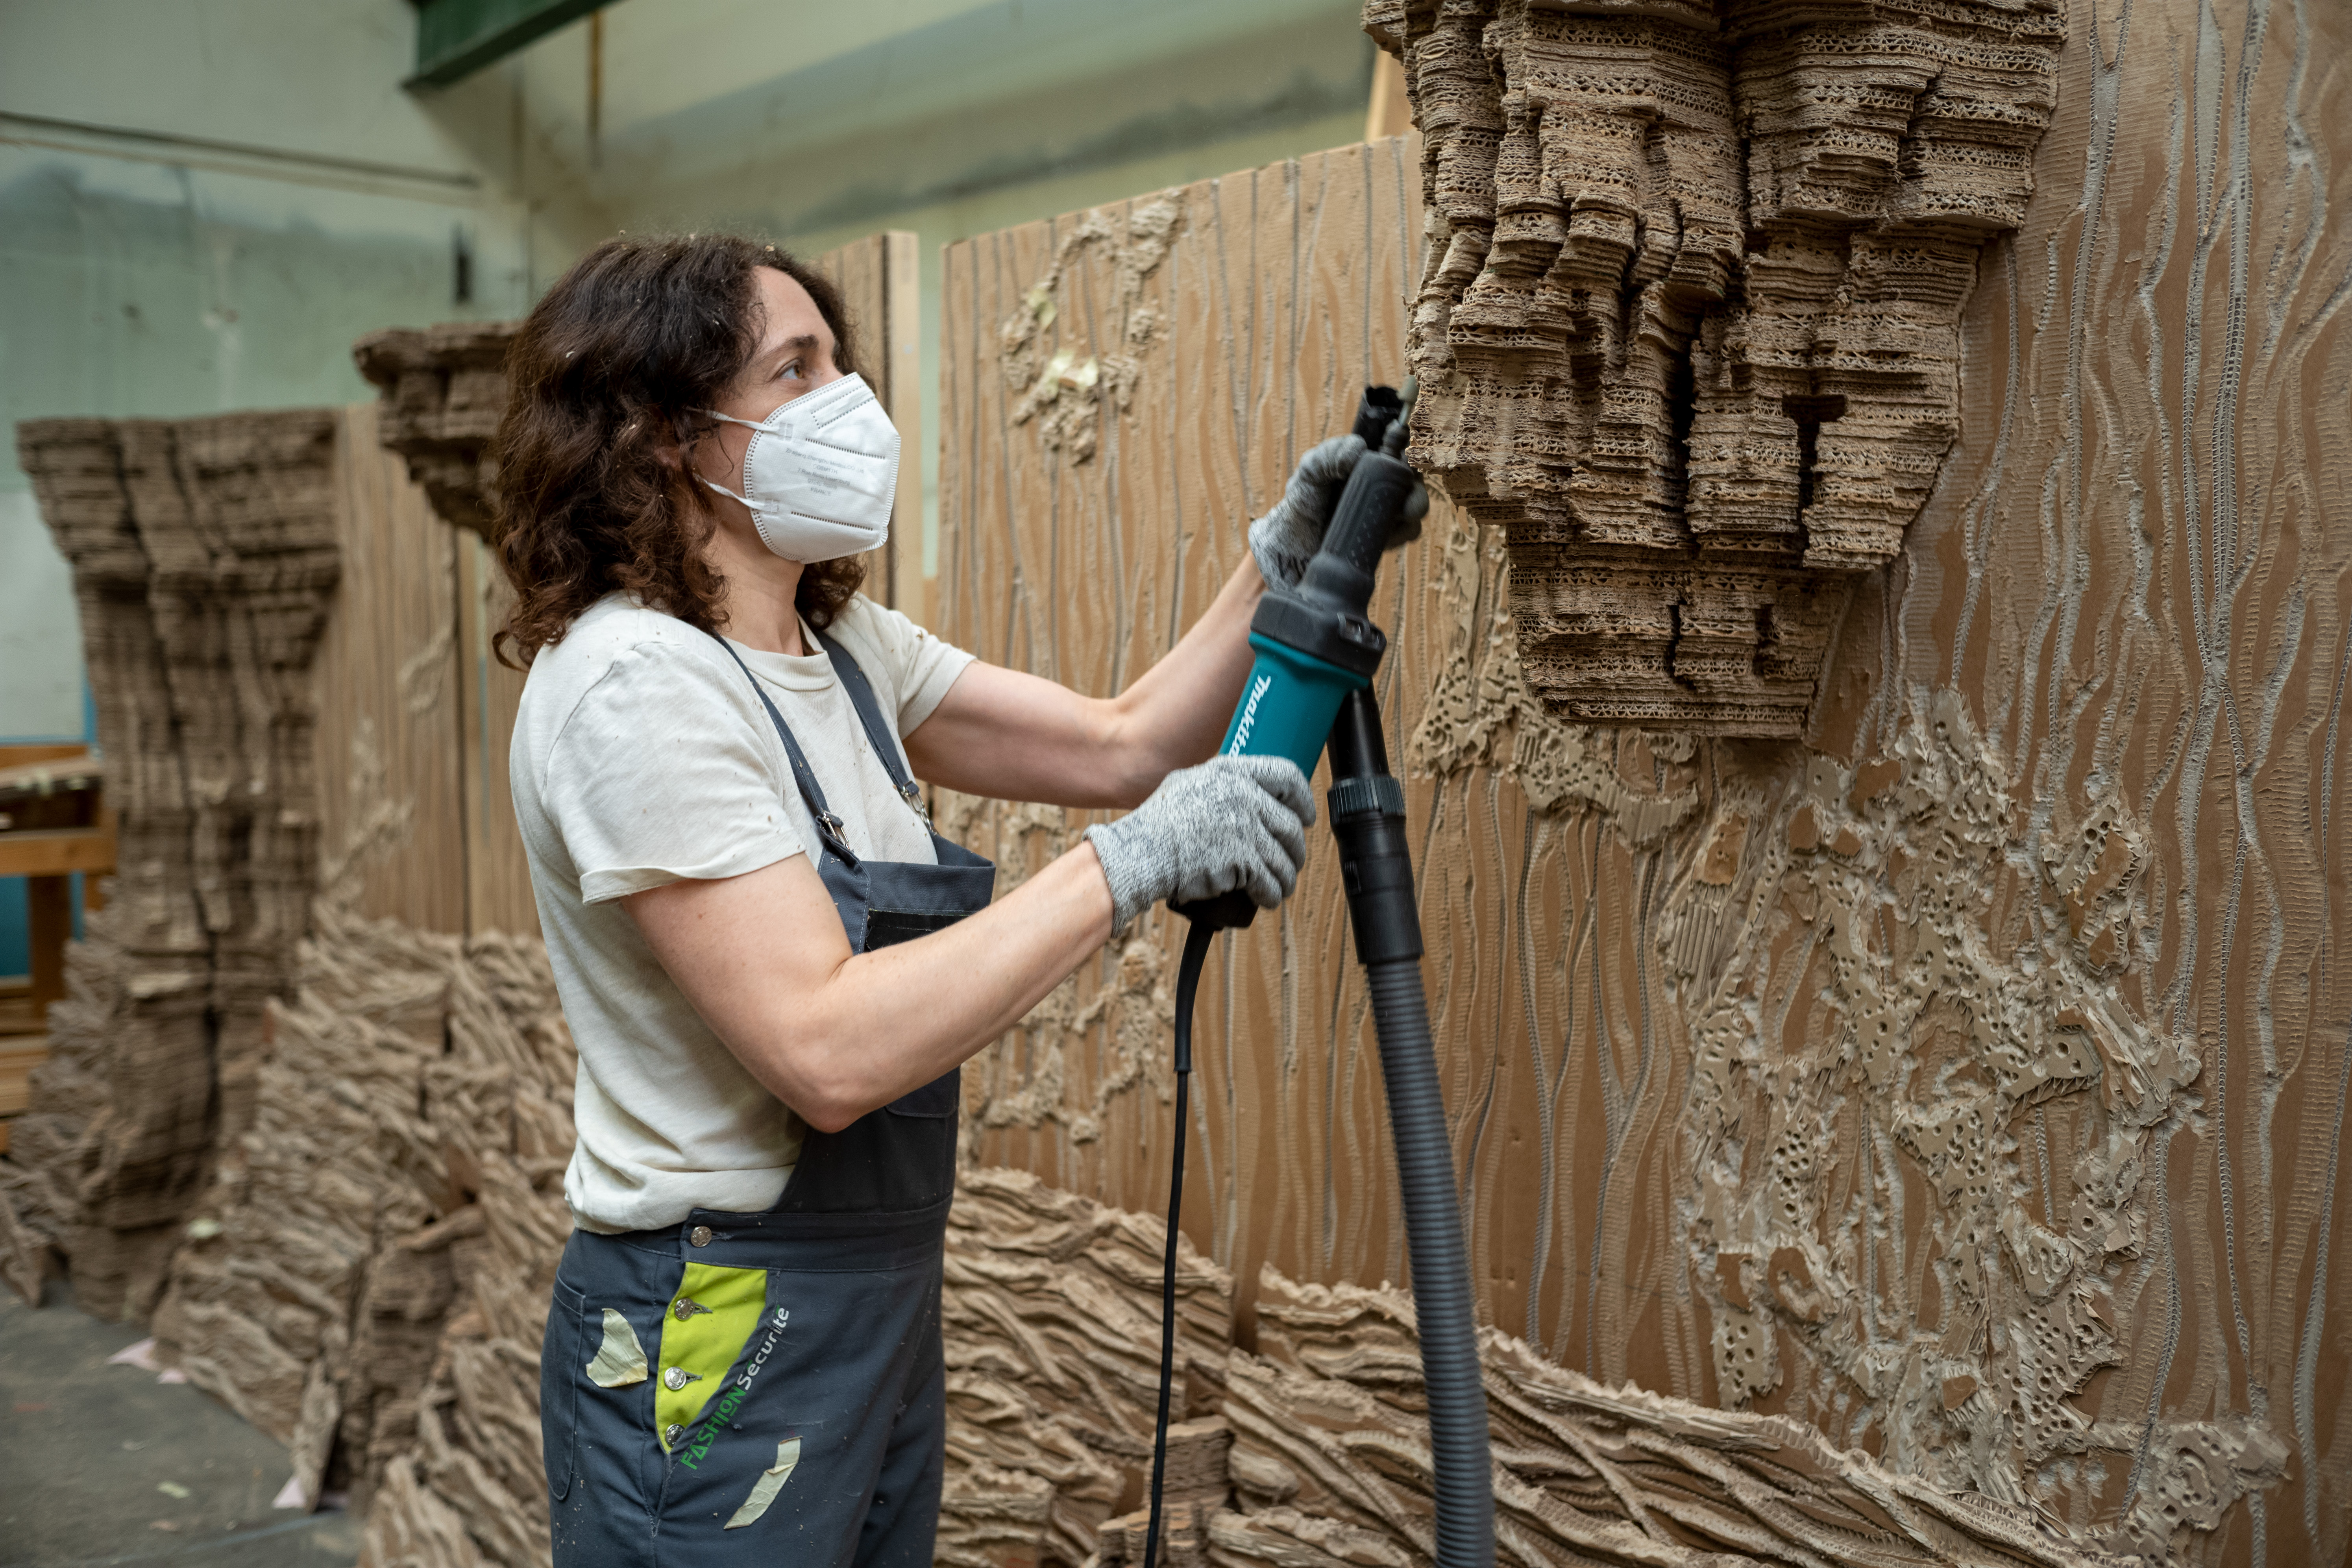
column 771, row 966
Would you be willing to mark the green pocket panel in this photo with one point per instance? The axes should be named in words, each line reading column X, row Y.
column 710, row 1320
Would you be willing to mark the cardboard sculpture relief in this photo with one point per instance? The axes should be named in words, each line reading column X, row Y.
column 445, row 391
column 1688, row 314
column 204, row 561
column 1958, row 1069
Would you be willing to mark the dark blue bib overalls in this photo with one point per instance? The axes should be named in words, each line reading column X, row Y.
column 768, row 1388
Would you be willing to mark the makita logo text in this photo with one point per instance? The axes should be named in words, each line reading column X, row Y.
column 1249, row 717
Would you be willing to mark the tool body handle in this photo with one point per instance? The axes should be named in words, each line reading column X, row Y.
column 1287, row 706
column 1315, row 646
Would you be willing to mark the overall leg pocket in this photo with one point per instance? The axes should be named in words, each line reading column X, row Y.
column 784, row 1462
column 561, row 1352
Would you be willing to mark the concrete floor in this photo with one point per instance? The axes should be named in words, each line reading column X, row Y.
column 91, row 1456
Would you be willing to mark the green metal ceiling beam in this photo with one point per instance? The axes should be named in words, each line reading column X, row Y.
column 455, row 39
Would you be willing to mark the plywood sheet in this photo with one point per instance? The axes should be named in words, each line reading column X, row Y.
column 416, row 713
column 1967, row 1079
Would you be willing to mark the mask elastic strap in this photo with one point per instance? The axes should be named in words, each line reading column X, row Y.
column 747, row 424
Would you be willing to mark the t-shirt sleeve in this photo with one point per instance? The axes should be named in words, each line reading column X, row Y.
column 918, row 666
column 658, row 776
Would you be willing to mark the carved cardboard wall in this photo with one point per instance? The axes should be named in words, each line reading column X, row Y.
column 1687, row 323
column 1966, row 1079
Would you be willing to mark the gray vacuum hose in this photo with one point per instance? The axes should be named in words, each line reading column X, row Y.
column 1462, row 1475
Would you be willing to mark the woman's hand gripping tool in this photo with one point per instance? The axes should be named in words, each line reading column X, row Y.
column 1316, row 647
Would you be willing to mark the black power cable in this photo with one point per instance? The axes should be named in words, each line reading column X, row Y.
column 1187, row 980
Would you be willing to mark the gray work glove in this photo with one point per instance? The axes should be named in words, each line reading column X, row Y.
column 1285, row 538
column 1233, row 822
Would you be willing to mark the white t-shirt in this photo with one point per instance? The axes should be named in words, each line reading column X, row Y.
column 643, row 756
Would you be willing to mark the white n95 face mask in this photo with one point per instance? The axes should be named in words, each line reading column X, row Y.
column 821, row 472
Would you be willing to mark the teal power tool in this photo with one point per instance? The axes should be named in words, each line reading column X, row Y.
column 1310, row 687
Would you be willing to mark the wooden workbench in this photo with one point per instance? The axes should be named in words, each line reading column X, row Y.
column 46, row 857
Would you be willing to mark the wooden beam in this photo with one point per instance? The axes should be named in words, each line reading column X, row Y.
column 498, row 873
column 54, row 851
column 1391, row 111
column 20, row 756
column 455, row 39
column 878, row 278
column 390, row 802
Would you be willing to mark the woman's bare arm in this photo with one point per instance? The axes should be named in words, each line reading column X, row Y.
column 1010, row 736
column 763, row 958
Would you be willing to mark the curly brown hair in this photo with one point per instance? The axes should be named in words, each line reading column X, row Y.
column 609, row 378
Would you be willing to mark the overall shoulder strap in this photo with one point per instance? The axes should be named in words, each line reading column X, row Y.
column 878, row 729
column 829, row 826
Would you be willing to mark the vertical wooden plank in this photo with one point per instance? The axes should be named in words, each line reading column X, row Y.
column 1389, row 112
column 498, row 872
column 391, row 809
column 860, row 272
column 902, row 322
column 880, row 279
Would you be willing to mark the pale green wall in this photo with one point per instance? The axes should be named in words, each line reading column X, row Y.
column 140, row 289
column 145, row 268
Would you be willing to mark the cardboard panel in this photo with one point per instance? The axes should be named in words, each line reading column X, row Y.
column 498, row 872
column 1966, row 1079
column 1122, row 390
